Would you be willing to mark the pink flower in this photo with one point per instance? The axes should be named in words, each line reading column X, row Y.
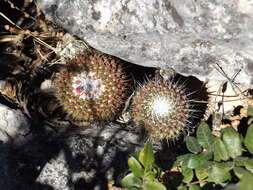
column 77, row 82
column 79, row 90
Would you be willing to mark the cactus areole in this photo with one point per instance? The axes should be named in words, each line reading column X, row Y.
column 162, row 108
column 92, row 87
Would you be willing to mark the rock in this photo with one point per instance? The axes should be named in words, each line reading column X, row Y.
column 14, row 126
column 206, row 39
column 56, row 173
column 2, row 85
column 89, row 158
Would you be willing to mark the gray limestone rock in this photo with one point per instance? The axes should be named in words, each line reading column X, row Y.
column 14, row 126
column 56, row 173
column 207, row 39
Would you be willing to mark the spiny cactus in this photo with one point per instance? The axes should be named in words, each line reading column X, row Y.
column 162, row 108
column 92, row 87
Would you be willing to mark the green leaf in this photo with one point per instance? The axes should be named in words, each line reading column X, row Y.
column 188, row 175
column 134, row 188
column 193, row 145
column 239, row 172
column 152, row 185
column 249, row 165
column 220, row 151
column 206, row 165
column 204, row 136
column 220, row 172
column 146, row 156
column 196, row 161
column 206, row 155
column 181, row 159
column 181, row 187
column 193, row 161
column 131, row 181
column 136, row 154
column 201, row 174
column 231, row 187
column 248, row 141
column 227, row 165
column 232, row 142
column 246, row 182
column 150, row 175
column 136, row 167
column 240, row 161
column 249, row 122
column 194, row 187
column 185, row 162
column 250, row 111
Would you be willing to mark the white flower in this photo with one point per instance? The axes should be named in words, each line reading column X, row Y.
column 87, row 87
column 161, row 106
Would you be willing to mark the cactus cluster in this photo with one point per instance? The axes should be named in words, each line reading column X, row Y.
column 162, row 107
column 92, row 87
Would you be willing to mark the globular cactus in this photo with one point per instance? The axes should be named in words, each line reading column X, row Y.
column 92, row 87
column 162, row 107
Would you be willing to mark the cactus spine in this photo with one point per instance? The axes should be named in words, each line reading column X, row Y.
column 92, row 87
column 162, row 108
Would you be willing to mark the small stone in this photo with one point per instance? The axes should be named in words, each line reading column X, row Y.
column 46, row 85
column 2, row 85
column 56, row 173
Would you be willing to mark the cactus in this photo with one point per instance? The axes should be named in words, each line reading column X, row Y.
column 162, row 108
column 92, row 87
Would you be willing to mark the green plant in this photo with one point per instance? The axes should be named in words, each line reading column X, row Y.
column 217, row 160
column 214, row 162
column 92, row 87
column 162, row 108
column 145, row 174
